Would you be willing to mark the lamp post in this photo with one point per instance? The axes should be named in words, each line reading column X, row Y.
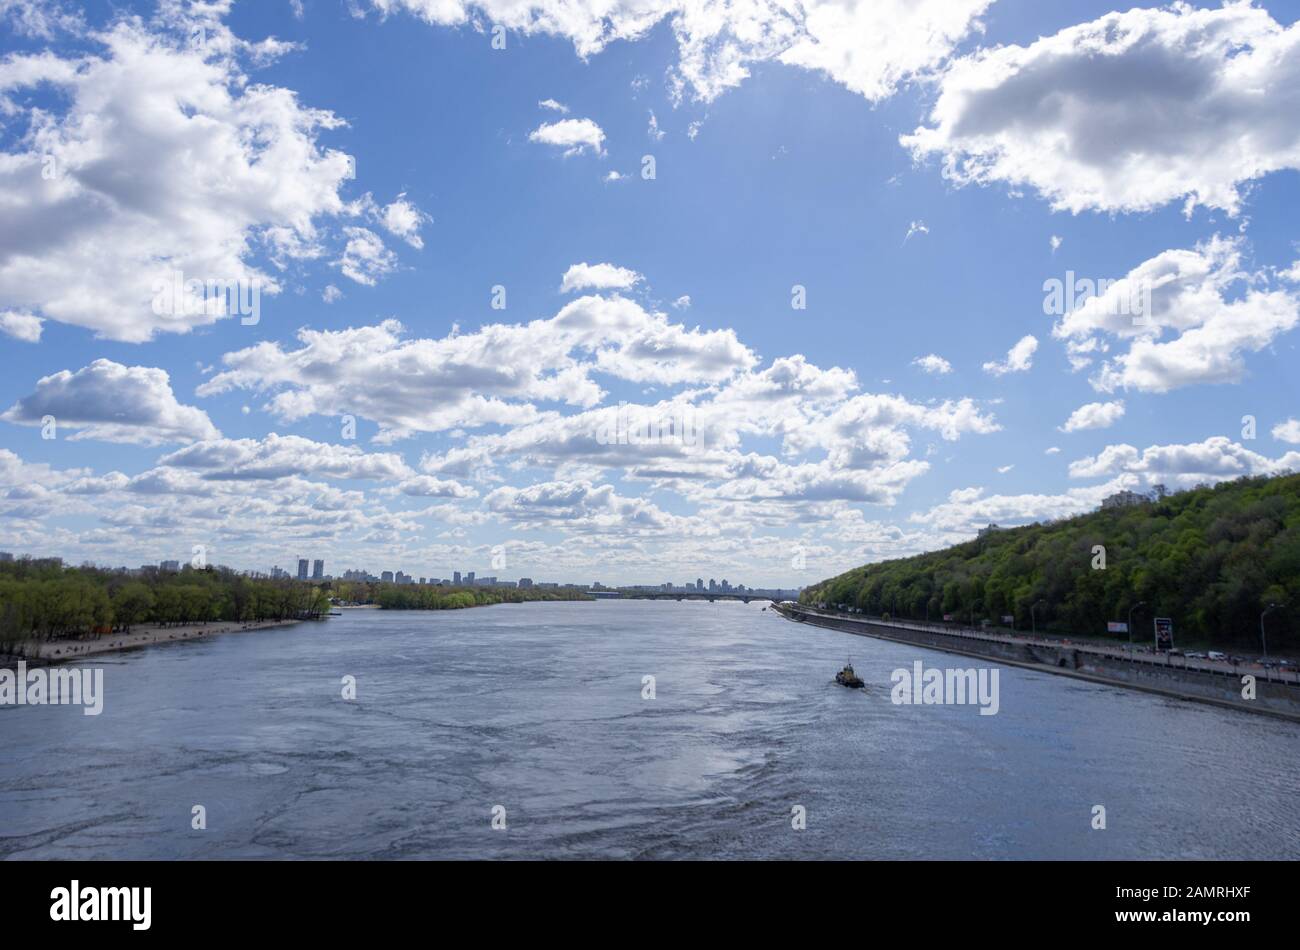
column 1140, row 603
column 1262, row 636
column 1033, row 621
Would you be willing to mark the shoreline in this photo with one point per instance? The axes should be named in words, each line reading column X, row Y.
column 40, row 652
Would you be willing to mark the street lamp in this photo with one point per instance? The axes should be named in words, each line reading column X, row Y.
column 1140, row 603
column 1033, row 622
column 1262, row 637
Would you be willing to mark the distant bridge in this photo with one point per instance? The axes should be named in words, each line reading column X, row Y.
column 710, row 597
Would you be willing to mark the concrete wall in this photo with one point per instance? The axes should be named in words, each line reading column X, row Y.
column 1278, row 699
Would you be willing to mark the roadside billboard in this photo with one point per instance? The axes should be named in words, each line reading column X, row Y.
column 1117, row 626
column 1164, row 634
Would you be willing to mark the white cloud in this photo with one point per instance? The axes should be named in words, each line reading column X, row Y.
column 426, row 486
column 870, row 46
column 1019, row 358
column 586, row 276
column 1219, row 107
column 113, row 403
column 1094, row 415
column 493, row 376
column 365, row 258
column 916, row 227
column 934, row 364
column 154, row 157
column 1212, row 307
column 331, row 294
column 553, row 106
column 652, row 129
column 575, row 136
column 21, row 326
column 1053, row 450
column 404, row 220
column 1215, row 459
column 968, row 509
column 1288, row 431
column 278, row 456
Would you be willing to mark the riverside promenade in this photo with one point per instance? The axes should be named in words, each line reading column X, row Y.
column 1275, row 691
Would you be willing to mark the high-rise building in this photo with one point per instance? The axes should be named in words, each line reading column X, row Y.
column 455, row 578
column 469, row 578
column 525, row 582
column 699, row 583
column 173, row 566
column 386, row 577
column 302, row 568
column 6, row 556
column 318, row 570
column 713, row 585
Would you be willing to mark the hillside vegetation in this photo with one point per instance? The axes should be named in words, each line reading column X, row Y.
column 1210, row 558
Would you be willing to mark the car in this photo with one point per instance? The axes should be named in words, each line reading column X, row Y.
column 1196, row 656
column 1216, row 655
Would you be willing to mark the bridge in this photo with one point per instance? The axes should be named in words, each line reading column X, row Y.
column 703, row 595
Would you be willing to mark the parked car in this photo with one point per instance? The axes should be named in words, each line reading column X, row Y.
column 1216, row 655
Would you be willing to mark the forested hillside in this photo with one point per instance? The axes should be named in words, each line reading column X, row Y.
column 1211, row 559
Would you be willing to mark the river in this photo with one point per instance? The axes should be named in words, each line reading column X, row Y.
column 535, row 713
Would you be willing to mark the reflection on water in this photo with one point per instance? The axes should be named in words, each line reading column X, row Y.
column 538, row 708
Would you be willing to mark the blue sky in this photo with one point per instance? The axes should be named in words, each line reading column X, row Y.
column 1170, row 158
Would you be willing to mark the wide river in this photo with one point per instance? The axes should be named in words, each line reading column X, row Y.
column 536, row 713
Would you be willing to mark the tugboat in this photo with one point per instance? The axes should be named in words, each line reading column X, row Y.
column 846, row 677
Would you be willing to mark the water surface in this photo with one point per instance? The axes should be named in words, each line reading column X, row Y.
column 538, row 708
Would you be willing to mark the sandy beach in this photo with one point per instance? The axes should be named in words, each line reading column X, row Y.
column 142, row 635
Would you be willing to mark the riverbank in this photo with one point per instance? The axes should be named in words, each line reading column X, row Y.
column 142, row 635
column 1219, row 687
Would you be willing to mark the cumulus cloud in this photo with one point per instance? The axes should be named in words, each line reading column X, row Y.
column 494, row 376
column 1219, row 107
column 277, row 456
column 869, row 46
column 1206, row 312
column 365, row 258
column 426, row 486
column 968, row 509
column 1094, row 415
column 1215, row 459
column 404, row 220
column 1288, row 431
column 575, row 136
column 934, row 364
column 586, row 276
column 113, row 403
column 21, row 326
column 155, row 157
column 1019, row 358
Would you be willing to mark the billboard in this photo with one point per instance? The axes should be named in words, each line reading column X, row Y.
column 1008, row 619
column 1164, row 634
column 947, row 616
column 1117, row 626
